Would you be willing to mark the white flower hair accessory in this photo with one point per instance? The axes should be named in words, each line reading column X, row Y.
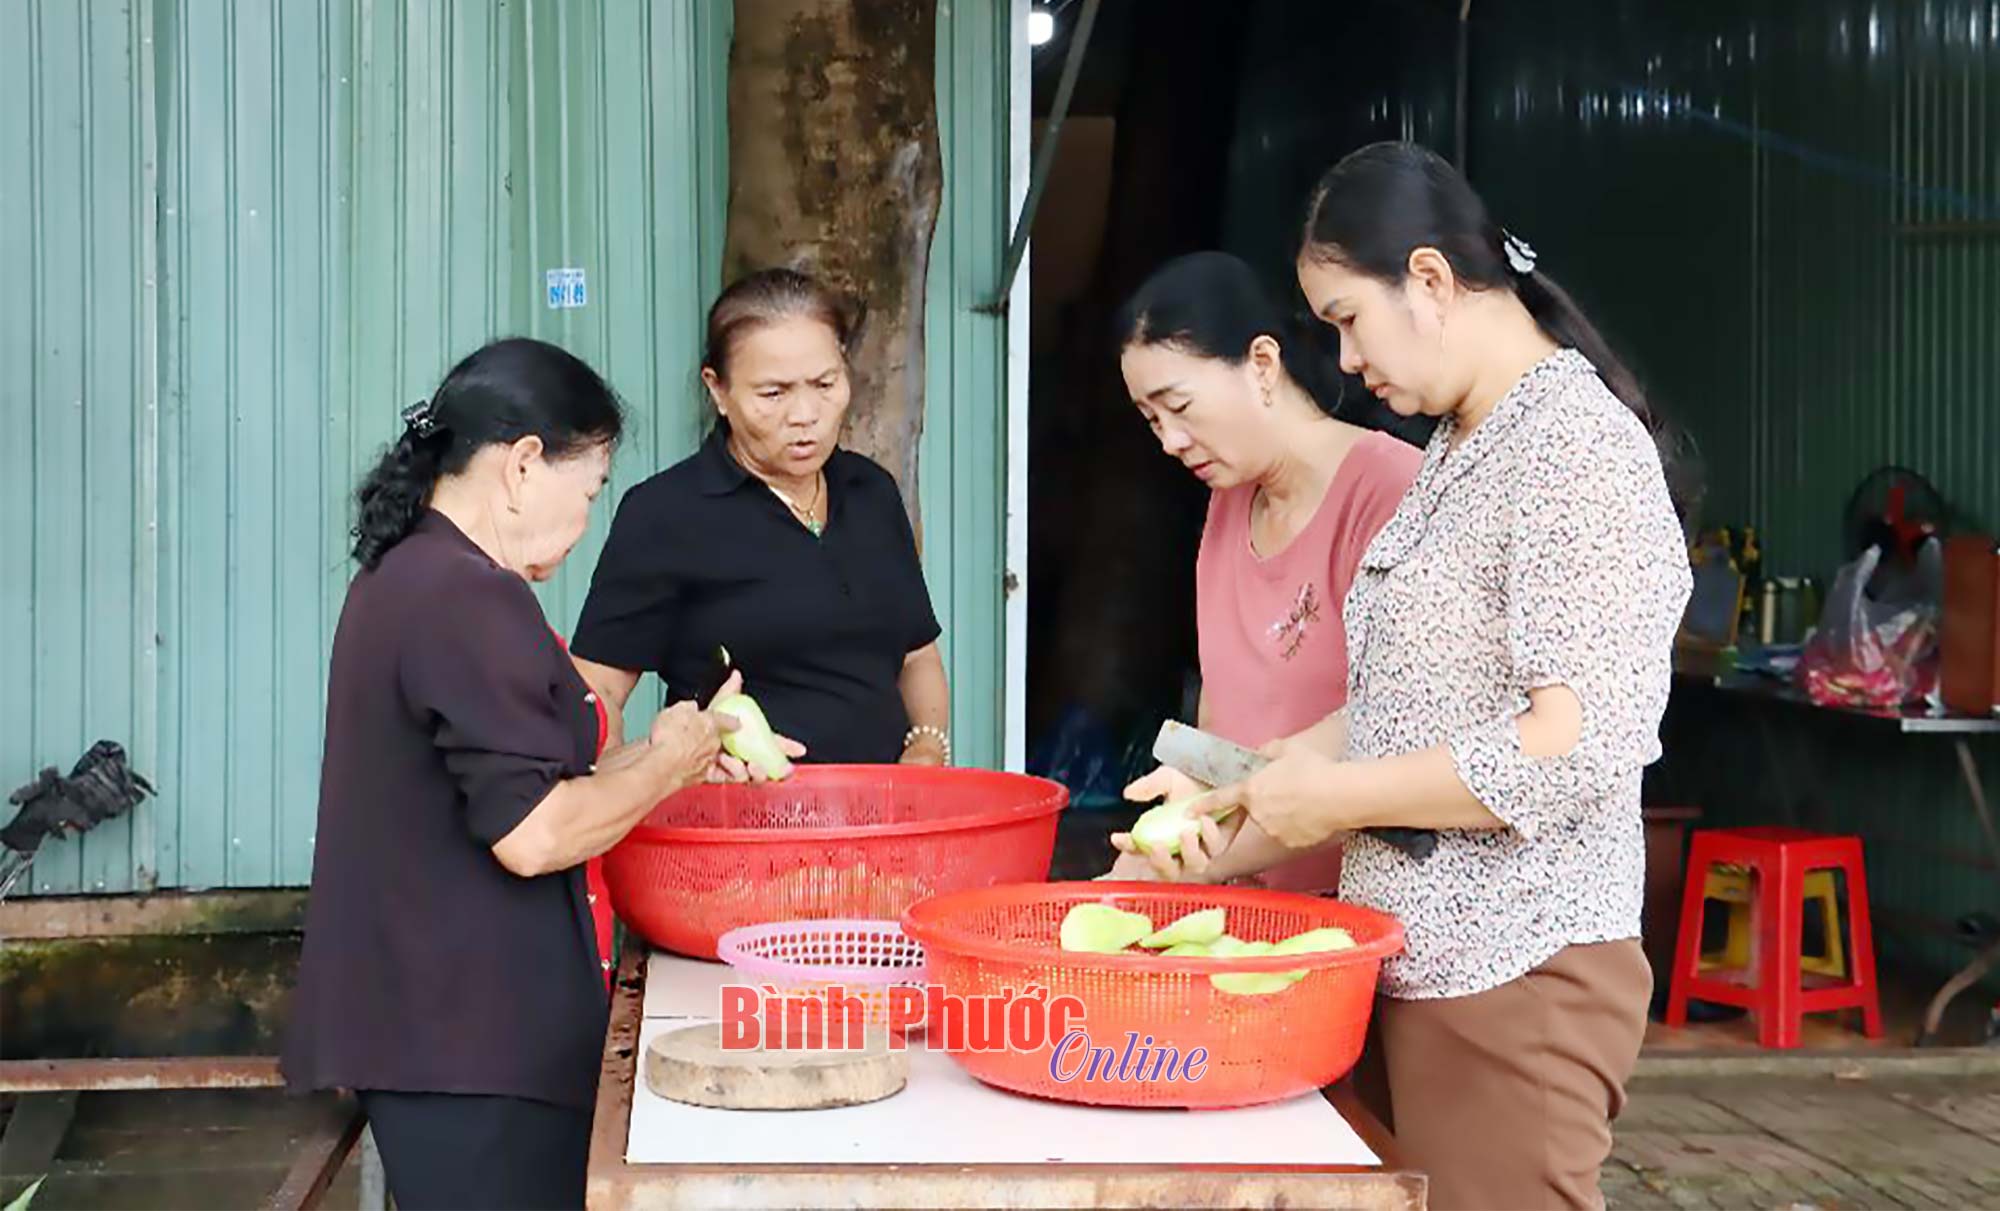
column 1520, row 254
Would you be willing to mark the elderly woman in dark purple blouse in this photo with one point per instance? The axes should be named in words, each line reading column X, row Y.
column 450, row 975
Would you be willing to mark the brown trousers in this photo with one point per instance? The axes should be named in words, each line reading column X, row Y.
column 1506, row 1098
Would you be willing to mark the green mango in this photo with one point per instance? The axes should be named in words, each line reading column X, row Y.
column 1253, row 983
column 1186, row 950
column 753, row 742
column 1201, row 927
column 1159, row 829
column 1331, row 937
column 1102, row 929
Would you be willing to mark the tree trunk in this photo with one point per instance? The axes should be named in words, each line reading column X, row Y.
column 834, row 169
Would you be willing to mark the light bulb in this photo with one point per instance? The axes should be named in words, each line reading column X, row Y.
column 1041, row 26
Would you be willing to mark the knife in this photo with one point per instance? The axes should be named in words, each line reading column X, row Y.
column 1213, row 761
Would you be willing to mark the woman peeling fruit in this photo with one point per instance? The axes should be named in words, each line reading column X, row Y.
column 467, row 784
column 1234, row 390
column 1543, row 484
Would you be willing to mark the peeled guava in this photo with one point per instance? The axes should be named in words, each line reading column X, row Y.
column 1202, row 927
column 1159, row 829
column 1332, row 937
column 753, row 742
column 1253, row 983
column 1102, row 929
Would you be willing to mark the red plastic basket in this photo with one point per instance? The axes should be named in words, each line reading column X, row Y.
column 855, row 841
column 1257, row 1048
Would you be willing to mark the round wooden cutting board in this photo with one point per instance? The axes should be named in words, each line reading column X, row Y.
column 690, row 1065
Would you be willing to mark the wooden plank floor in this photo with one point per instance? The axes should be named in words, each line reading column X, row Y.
column 212, row 1149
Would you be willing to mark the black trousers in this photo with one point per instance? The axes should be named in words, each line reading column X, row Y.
column 465, row 1152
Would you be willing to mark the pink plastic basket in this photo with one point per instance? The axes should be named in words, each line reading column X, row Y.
column 803, row 958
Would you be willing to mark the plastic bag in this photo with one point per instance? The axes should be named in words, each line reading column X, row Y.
column 1876, row 652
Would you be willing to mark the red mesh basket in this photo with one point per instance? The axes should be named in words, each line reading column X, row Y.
column 1259, row 1048
column 858, row 841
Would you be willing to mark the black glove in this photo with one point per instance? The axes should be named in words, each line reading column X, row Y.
column 100, row 786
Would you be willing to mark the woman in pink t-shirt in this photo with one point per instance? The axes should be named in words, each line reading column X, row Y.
column 1239, row 398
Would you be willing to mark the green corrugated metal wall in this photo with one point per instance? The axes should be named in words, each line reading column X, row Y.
column 1787, row 213
column 76, row 383
column 1821, row 177
column 253, row 232
column 1747, row 195
column 962, row 479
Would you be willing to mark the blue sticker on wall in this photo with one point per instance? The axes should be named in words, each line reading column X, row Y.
column 566, row 289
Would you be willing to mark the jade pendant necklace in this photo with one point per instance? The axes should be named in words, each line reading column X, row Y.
column 807, row 516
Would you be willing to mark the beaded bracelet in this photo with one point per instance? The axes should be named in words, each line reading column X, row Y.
column 910, row 737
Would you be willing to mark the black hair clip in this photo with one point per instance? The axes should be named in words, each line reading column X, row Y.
column 421, row 419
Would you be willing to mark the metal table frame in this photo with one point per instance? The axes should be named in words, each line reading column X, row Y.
column 1958, row 728
column 616, row 1185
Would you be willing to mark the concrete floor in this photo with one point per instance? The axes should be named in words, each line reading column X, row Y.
column 1813, row 1142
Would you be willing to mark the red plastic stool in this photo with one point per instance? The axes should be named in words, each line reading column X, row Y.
column 1773, row 987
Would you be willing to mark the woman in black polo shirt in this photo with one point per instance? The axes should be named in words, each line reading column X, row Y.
column 450, row 973
column 794, row 558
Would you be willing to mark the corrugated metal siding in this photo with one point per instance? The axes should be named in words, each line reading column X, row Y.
column 1821, row 180
column 75, row 385
column 1884, row 339
column 1788, row 215
column 1739, row 195
column 350, row 197
column 962, row 482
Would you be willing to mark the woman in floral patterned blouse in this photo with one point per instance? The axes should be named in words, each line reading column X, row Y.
column 1510, row 645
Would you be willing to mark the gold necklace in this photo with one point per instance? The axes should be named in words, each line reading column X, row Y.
column 807, row 516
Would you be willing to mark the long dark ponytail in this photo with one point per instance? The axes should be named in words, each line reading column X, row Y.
column 1385, row 201
column 504, row 391
column 1212, row 305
